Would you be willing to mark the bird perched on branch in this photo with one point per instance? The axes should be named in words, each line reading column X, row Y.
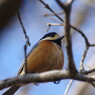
column 46, row 55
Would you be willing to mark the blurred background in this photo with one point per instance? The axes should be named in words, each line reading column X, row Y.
column 32, row 14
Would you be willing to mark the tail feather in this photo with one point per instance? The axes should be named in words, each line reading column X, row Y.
column 11, row 90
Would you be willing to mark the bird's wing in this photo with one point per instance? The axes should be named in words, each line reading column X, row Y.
column 23, row 62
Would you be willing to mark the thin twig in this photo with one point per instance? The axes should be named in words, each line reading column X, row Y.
column 82, row 34
column 86, row 49
column 27, row 41
column 60, row 13
column 89, row 71
column 92, row 45
column 82, row 60
column 68, row 87
column 25, row 56
column 48, row 28
column 24, row 31
column 47, row 6
column 62, row 5
column 54, row 24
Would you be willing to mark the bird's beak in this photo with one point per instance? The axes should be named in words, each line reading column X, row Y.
column 60, row 38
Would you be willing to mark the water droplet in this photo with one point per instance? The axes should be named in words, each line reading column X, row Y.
column 57, row 82
column 37, row 84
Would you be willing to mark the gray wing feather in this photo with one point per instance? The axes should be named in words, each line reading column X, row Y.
column 23, row 62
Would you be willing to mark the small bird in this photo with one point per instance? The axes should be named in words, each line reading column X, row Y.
column 46, row 55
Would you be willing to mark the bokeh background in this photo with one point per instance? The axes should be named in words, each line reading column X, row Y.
column 32, row 13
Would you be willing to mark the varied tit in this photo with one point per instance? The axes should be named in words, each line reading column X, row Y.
column 46, row 55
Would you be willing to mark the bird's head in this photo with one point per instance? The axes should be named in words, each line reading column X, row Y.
column 53, row 37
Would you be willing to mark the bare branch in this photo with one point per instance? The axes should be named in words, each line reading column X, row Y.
column 25, row 56
column 89, row 71
column 24, row 31
column 67, row 9
column 92, row 45
column 27, row 41
column 47, row 14
column 43, row 77
column 48, row 28
column 83, row 57
column 54, row 24
column 47, row 6
column 86, row 49
column 82, row 34
column 62, row 5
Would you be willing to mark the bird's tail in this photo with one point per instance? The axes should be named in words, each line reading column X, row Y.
column 11, row 90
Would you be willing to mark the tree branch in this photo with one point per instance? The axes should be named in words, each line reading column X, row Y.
column 47, row 14
column 89, row 71
column 43, row 77
column 82, row 60
column 24, row 31
column 48, row 7
column 67, row 9
column 27, row 41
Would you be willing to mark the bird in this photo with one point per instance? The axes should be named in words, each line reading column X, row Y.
column 46, row 55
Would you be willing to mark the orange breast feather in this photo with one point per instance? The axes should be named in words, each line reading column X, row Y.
column 47, row 56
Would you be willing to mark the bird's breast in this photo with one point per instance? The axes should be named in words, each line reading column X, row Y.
column 45, row 57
